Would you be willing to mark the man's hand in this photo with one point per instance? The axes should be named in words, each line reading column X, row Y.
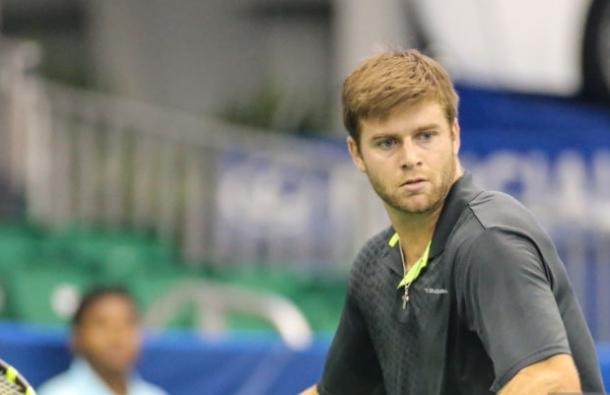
column 555, row 374
column 310, row 391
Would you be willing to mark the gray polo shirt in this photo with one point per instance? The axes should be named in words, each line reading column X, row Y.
column 494, row 298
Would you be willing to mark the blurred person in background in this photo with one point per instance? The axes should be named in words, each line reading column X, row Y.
column 106, row 342
column 464, row 293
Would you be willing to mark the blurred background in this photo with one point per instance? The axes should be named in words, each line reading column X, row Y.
column 193, row 152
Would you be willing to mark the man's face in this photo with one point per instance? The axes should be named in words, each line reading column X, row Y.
column 108, row 335
column 410, row 157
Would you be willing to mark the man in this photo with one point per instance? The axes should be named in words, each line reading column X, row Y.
column 106, row 341
column 464, row 294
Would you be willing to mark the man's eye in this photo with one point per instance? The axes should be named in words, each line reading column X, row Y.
column 386, row 143
column 425, row 136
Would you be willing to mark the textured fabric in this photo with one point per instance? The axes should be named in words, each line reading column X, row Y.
column 80, row 379
column 493, row 299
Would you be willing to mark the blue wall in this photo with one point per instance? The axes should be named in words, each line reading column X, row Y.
column 182, row 363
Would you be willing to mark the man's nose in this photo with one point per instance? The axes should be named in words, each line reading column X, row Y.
column 410, row 156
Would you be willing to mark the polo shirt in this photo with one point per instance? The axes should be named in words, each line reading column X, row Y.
column 80, row 379
column 493, row 298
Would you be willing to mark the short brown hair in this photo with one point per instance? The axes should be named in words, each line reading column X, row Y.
column 384, row 81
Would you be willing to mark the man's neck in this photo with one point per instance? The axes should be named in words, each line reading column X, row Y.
column 415, row 232
column 115, row 381
column 117, row 385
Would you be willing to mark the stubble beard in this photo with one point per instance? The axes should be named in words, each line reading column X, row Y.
column 435, row 196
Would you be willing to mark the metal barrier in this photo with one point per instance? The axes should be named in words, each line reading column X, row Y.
column 223, row 193
column 18, row 94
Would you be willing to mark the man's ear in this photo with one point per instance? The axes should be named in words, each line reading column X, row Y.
column 455, row 136
column 354, row 151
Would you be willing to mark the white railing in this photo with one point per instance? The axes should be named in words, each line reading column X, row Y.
column 223, row 193
column 214, row 302
column 17, row 94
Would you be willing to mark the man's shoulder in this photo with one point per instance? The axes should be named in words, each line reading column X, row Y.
column 374, row 247
column 58, row 385
column 493, row 209
column 493, row 226
column 69, row 383
column 366, row 267
column 494, row 213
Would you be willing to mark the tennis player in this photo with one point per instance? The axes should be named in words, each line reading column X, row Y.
column 106, row 342
column 464, row 293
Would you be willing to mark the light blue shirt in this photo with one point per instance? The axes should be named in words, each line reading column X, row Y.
column 80, row 379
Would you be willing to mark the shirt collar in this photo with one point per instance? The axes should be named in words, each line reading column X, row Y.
column 81, row 370
column 460, row 194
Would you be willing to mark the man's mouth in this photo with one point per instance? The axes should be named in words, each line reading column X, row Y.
column 412, row 181
column 413, row 184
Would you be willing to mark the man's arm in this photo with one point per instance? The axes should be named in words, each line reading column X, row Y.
column 556, row 374
column 506, row 298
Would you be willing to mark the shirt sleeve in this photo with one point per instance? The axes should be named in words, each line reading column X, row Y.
column 506, row 298
column 351, row 363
